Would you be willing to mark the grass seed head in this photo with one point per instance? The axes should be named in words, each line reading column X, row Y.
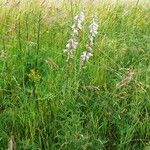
column 124, row 82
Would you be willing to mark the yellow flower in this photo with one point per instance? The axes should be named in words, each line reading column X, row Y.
column 34, row 76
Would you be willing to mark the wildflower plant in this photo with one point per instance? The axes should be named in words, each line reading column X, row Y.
column 85, row 56
column 73, row 41
column 60, row 105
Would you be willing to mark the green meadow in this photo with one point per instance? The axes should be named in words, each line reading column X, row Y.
column 48, row 103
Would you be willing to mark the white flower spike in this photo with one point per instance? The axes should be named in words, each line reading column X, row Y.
column 85, row 56
column 72, row 43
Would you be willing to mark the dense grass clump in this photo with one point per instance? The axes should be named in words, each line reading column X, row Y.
column 47, row 103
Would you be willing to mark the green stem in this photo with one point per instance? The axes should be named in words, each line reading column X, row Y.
column 38, row 40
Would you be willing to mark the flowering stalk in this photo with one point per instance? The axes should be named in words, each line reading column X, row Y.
column 73, row 41
column 85, row 56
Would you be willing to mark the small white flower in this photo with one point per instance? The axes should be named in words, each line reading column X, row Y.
column 95, row 25
column 93, row 28
column 91, row 43
column 86, row 56
column 79, row 25
column 75, row 32
column 68, row 46
column 91, row 38
column 76, row 17
column 81, row 17
column 65, row 50
column 74, row 45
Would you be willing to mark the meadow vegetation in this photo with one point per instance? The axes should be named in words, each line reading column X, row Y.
column 48, row 103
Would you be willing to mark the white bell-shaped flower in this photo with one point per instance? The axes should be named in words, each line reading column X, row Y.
column 81, row 17
column 93, row 28
column 86, row 56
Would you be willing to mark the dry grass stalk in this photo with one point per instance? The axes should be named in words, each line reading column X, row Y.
column 11, row 143
column 124, row 82
column 51, row 63
column 90, row 88
column 52, row 15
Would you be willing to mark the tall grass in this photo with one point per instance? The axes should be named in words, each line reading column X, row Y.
column 47, row 103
